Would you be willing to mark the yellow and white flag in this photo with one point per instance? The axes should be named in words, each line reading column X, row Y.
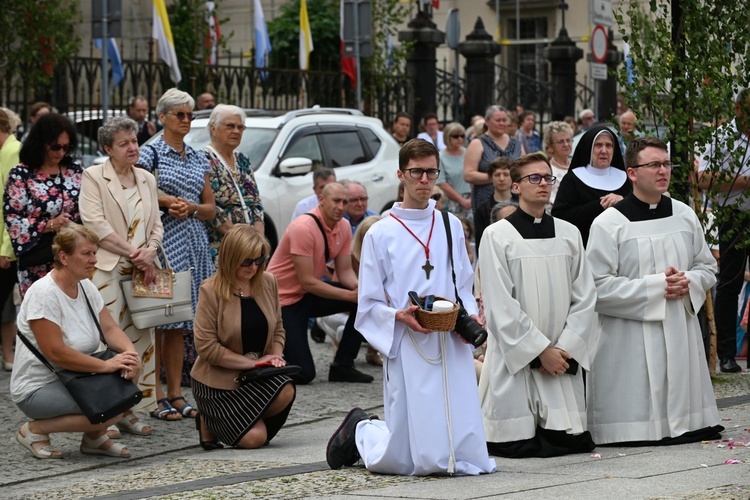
column 162, row 32
column 305, row 37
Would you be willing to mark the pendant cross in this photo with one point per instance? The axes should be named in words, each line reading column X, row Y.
column 427, row 268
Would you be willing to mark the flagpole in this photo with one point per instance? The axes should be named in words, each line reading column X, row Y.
column 105, row 65
column 356, row 54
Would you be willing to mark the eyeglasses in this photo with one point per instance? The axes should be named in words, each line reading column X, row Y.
column 362, row 199
column 417, row 173
column 656, row 165
column 563, row 142
column 537, row 179
column 458, row 136
column 258, row 262
column 234, row 126
column 181, row 115
column 58, row 147
column 436, row 196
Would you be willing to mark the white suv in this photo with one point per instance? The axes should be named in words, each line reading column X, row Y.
column 286, row 149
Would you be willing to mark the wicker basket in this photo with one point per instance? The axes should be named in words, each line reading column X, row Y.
column 437, row 321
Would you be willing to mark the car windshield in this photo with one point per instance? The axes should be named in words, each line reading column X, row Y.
column 255, row 142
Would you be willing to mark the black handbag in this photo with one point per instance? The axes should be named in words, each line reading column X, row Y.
column 100, row 396
column 262, row 372
column 39, row 254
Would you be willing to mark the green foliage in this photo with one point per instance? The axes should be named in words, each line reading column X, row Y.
column 35, row 36
column 387, row 63
column 688, row 67
column 324, row 25
column 190, row 31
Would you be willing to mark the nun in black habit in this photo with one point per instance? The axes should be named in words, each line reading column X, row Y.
column 596, row 181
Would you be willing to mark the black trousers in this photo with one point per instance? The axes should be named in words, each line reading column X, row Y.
column 732, row 262
column 8, row 278
column 297, row 348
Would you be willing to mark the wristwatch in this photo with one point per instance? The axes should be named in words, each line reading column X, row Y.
column 194, row 215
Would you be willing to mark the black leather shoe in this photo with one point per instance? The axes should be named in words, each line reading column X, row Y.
column 729, row 365
column 343, row 373
column 206, row 445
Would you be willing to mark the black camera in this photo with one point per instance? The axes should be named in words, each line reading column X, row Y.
column 471, row 331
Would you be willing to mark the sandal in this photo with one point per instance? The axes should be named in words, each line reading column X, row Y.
column 132, row 425
column 185, row 410
column 30, row 438
column 113, row 432
column 166, row 412
column 373, row 357
column 93, row 447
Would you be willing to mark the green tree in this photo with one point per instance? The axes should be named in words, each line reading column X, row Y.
column 35, row 37
column 324, row 25
column 686, row 74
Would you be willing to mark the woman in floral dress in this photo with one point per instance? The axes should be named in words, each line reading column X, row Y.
column 187, row 201
column 41, row 195
column 230, row 170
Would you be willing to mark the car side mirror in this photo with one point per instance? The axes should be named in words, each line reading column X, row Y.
column 294, row 166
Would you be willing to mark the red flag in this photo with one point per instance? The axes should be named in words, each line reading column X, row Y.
column 347, row 63
column 436, row 4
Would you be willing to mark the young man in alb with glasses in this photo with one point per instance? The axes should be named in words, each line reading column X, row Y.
column 539, row 298
column 432, row 420
column 649, row 382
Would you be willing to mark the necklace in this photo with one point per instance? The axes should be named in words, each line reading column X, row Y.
column 238, row 290
column 427, row 266
column 557, row 164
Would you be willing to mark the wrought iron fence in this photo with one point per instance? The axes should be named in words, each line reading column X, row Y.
column 513, row 87
column 449, row 97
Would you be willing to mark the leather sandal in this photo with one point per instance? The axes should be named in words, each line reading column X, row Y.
column 132, row 425
column 93, row 447
column 30, row 438
column 186, row 410
column 165, row 411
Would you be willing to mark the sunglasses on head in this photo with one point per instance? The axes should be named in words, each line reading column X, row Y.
column 258, row 262
column 58, row 147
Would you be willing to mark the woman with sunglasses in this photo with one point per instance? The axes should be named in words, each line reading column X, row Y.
column 232, row 180
column 451, row 180
column 238, row 327
column 186, row 200
column 41, row 195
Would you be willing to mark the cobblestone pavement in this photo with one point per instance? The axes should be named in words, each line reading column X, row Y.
column 170, row 464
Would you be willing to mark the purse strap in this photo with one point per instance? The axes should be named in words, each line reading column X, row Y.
column 93, row 316
column 447, row 224
column 323, row 232
column 245, row 209
column 35, row 351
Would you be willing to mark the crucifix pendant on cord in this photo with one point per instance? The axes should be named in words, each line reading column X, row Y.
column 427, row 268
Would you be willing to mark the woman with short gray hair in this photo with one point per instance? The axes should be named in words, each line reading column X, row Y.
column 232, row 179
column 187, row 201
column 451, row 179
column 121, row 207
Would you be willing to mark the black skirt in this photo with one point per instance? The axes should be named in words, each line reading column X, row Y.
column 231, row 414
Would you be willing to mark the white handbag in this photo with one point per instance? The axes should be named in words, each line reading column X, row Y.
column 149, row 312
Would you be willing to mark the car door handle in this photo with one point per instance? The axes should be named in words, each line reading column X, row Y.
column 377, row 178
